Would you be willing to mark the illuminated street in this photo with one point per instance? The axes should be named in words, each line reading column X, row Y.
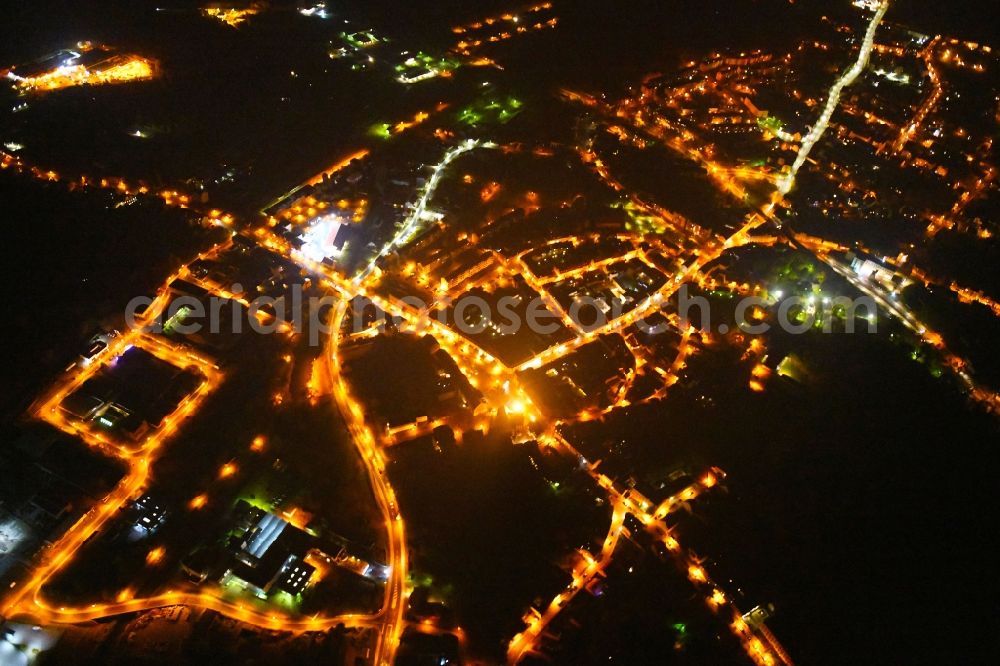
column 548, row 333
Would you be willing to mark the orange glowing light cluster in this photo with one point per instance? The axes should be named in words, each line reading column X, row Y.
column 119, row 69
column 396, row 590
column 500, row 28
column 155, row 556
column 230, row 16
column 492, row 20
column 338, row 166
column 51, row 412
column 759, row 644
column 930, row 103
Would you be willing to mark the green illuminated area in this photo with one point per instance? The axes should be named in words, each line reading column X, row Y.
column 681, row 633
column 236, row 588
column 423, row 66
column 175, row 320
column 362, row 39
column 287, row 601
column 255, row 494
column 491, row 110
column 356, row 48
column 640, row 221
column 770, row 124
column 381, row 130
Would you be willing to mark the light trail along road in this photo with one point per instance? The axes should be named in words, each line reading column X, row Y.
column 787, row 181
